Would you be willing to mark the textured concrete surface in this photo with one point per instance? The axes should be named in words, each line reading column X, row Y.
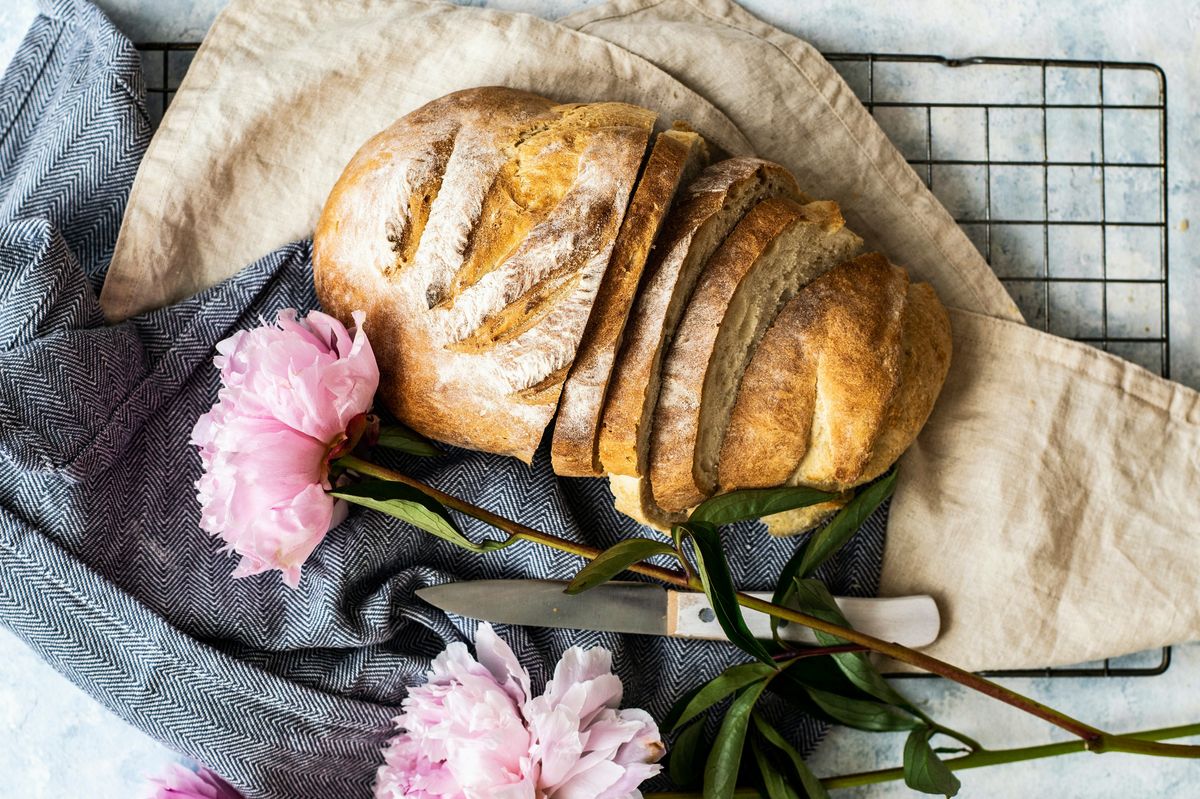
column 61, row 743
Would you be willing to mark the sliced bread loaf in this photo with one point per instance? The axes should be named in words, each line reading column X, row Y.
column 779, row 247
column 676, row 158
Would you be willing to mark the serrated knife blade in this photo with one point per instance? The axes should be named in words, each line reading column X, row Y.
column 648, row 609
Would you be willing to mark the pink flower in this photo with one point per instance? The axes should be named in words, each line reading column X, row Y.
column 181, row 783
column 474, row 732
column 294, row 395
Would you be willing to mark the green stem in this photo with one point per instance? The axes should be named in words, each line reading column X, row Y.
column 514, row 529
column 816, row 651
column 989, row 757
column 1093, row 739
column 986, row 757
column 741, row 793
column 962, row 738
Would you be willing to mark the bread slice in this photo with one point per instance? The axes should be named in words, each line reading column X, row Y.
column 779, row 247
column 475, row 232
column 710, row 208
column 677, row 156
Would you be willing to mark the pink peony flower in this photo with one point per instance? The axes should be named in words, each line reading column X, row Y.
column 182, row 783
column 294, row 396
column 474, row 732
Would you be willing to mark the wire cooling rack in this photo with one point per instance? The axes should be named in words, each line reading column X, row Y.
column 1056, row 170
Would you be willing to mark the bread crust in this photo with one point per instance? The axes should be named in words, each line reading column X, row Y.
column 814, row 398
column 869, row 348
column 474, row 232
column 927, row 349
column 633, row 497
column 925, row 361
column 674, row 160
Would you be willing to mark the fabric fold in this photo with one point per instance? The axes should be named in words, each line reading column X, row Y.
column 344, row 69
column 1078, row 541
column 795, row 109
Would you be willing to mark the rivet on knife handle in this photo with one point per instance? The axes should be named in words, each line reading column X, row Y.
column 911, row 621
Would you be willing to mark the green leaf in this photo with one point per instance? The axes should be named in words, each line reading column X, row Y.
column 823, row 673
column 615, row 560
column 410, row 505
column 754, row 503
column 863, row 714
column 728, row 682
column 720, row 590
column 681, row 765
column 773, row 779
column 401, row 438
column 678, row 533
column 823, row 543
column 923, row 770
column 812, row 785
column 814, row 598
column 721, row 770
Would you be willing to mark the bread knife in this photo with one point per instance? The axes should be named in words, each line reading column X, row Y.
column 649, row 609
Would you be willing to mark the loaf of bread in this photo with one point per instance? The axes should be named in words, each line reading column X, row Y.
column 475, row 232
column 695, row 333
column 840, row 385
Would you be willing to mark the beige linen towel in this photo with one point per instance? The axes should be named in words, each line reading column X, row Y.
column 1051, row 504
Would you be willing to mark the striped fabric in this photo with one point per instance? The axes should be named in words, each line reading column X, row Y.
column 103, row 570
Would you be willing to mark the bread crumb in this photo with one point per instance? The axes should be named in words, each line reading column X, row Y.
column 1184, row 225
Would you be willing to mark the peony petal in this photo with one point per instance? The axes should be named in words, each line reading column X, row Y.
column 183, row 783
column 306, row 331
column 646, row 745
column 467, row 734
column 526, row 789
column 590, row 783
column 558, row 744
column 498, row 658
column 578, row 665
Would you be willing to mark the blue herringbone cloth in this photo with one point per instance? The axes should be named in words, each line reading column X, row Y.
column 103, row 570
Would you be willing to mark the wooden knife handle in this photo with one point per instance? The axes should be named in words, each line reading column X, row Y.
column 911, row 621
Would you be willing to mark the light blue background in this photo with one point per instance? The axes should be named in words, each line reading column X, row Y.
column 59, row 743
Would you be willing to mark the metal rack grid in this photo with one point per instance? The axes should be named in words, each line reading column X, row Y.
column 1101, row 202
column 1005, row 188
column 163, row 67
column 1089, row 263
